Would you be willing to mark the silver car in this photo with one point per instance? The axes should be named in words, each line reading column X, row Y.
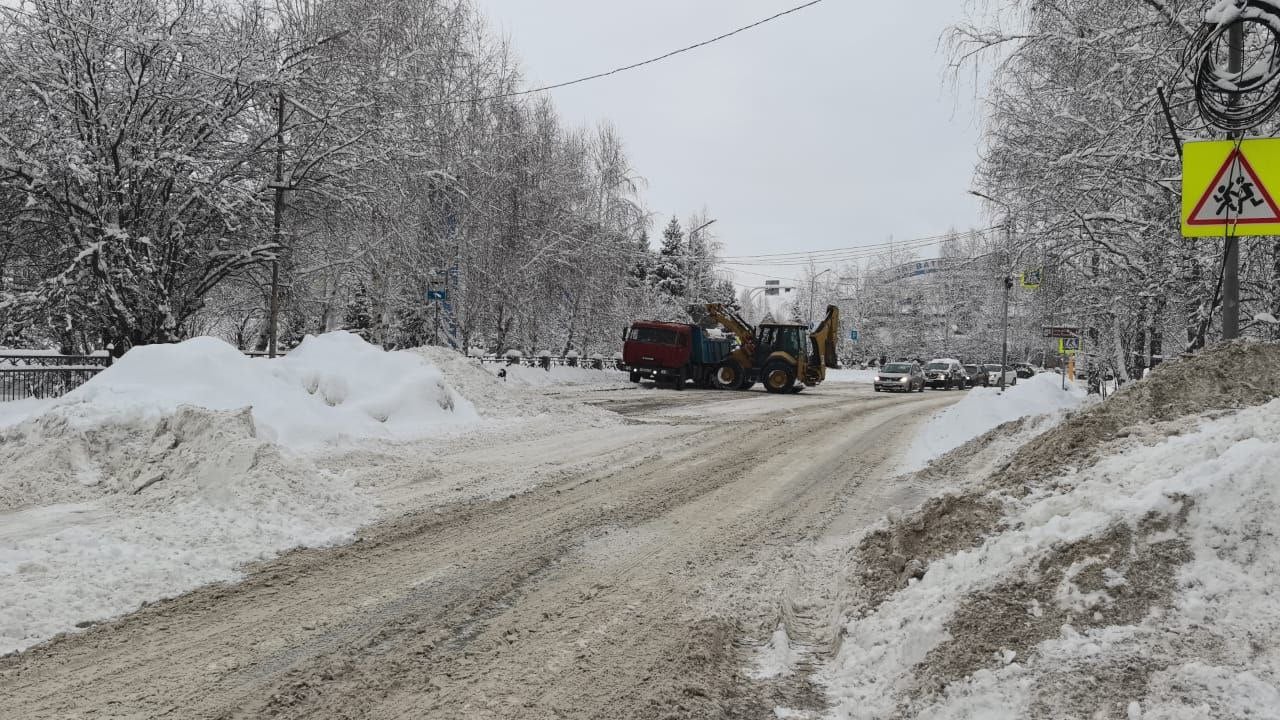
column 903, row 377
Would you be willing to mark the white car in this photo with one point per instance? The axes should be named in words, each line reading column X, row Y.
column 993, row 374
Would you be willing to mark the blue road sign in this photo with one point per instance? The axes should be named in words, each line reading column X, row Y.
column 853, row 335
column 437, row 294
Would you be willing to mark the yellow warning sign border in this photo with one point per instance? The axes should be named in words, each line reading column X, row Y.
column 1203, row 163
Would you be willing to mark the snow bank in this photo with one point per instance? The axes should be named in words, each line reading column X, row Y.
column 560, row 375
column 851, row 375
column 332, row 388
column 1072, row 578
column 984, row 409
column 188, row 500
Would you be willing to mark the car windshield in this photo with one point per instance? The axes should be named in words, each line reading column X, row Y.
column 971, row 368
column 991, row 368
column 938, row 366
column 656, row 336
column 902, row 368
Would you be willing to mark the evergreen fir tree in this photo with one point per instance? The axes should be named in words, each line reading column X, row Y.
column 668, row 274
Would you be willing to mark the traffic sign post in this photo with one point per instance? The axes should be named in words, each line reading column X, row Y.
column 853, row 335
column 1227, row 191
column 1068, row 346
column 1061, row 331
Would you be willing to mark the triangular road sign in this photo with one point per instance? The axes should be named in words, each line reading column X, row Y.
column 1235, row 197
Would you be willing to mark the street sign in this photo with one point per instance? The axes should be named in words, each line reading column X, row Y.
column 1068, row 346
column 1227, row 191
column 853, row 335
column 1060, row 331
column 437, row 294
column 1031, row 279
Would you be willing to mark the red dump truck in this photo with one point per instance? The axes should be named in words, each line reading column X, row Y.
column 673, row 353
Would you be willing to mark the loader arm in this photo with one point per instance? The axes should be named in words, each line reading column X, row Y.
column 736, row 324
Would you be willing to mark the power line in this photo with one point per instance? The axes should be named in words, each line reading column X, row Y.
column 115, row 40
column 817, row 254
column 625, row 68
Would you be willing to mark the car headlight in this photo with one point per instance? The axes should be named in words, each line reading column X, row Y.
column 878, row 378
column 904, row 379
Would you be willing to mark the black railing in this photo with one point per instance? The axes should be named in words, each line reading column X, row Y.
column 24, row 376
column 21, row 383
column 52, row 360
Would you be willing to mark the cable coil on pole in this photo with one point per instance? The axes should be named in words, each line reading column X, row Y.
column 1241, row 100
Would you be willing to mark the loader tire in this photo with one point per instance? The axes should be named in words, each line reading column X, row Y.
column 779, row 377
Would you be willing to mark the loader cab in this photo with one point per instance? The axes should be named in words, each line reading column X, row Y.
column 780, row 338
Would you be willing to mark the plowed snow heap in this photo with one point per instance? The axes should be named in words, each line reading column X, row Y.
column 1123, row 564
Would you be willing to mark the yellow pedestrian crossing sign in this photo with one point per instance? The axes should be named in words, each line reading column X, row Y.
column 1228, row 190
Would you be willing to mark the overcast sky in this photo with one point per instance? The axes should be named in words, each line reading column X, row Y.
column 831, row 127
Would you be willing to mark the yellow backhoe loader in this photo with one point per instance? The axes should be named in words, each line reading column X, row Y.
column 775, row 353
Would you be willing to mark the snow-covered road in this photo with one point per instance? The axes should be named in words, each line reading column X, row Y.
column 616, row 577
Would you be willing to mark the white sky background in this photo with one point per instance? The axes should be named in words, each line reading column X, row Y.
column 832, row 127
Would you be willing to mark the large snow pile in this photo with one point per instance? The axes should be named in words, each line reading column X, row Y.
column 983, row 409
column 1123, row 564
column 332, row 387
column 188, row 499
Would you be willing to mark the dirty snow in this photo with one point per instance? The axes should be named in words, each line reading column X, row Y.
column 1214, row 651
column 984, row 409
column 190, row 506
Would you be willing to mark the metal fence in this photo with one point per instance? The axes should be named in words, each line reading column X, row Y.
column 46, row 376
column 546, row 362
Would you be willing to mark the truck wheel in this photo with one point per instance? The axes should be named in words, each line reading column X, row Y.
column 778, row 377
column 728, row 376
column 679, row 380
column 635, row 376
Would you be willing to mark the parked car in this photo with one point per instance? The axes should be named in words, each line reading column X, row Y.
column 993, row 374
column 1025, row 370
column 944, row 374
column 900, row 376
column 974, row 376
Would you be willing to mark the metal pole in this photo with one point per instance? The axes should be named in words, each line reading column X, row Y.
column 1008, row 284
column 1231, row 264
column 278, row 211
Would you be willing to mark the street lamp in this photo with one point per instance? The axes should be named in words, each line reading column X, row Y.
column 688, row 262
